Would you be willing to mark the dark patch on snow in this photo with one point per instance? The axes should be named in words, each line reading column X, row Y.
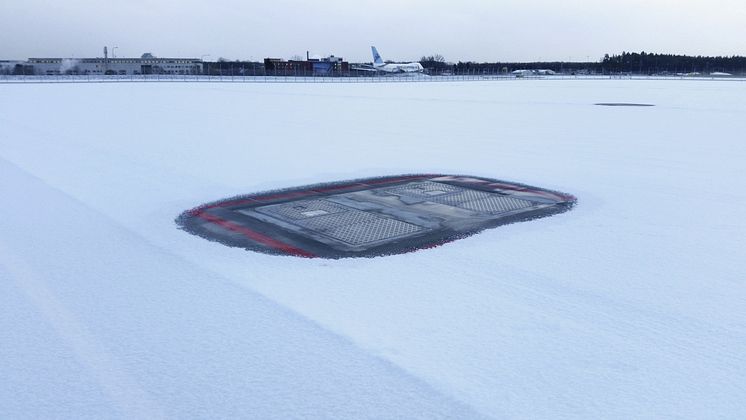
column 370, row 217
column 621, row 104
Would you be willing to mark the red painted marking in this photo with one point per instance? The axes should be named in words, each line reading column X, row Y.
column 338, row 187
column 399, row 179
column 284, row 195
column 256, row 236
column 230, row 203
column 373, row 182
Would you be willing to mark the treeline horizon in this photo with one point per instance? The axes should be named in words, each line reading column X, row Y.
column 641, row 63
column 626, row 62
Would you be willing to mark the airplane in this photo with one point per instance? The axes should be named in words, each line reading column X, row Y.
column 380, row 65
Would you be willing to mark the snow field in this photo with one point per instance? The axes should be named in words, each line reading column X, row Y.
column 629, row 306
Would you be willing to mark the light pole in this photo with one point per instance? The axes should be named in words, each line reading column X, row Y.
column 113, row 54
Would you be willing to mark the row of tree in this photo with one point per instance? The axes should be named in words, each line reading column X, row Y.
column 624, row 63
column 637, row 63
column 670, row 63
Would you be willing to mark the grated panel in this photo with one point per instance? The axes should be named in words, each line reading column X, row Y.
column 303, row 209
column 369, row 217
column 461, row 197
column 479, row 201
column 372, row 231
column 337, row 219
column 424, row 190
column 496, row 204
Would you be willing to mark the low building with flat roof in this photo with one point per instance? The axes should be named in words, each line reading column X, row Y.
column 311, row 66
column 147, row 64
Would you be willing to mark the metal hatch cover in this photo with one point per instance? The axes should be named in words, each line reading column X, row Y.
column 370, row 217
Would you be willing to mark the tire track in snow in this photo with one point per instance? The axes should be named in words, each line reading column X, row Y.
column 126, row 394
column 123, row 391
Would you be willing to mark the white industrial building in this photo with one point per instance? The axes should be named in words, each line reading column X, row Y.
column 147, row 64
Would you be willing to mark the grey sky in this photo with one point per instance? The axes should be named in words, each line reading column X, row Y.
column 479, row 30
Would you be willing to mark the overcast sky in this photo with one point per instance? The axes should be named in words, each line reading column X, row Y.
column 478, row 30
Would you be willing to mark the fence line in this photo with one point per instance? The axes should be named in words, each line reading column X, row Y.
column 327, row 79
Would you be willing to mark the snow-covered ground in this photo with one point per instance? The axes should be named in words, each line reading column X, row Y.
column 632, row 305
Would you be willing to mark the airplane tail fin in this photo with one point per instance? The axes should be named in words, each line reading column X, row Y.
column 376, row 57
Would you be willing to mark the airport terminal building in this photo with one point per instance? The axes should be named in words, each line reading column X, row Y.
column 147, row 64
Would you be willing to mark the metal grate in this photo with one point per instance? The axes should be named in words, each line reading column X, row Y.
column 479, row 201
column 303, row 209
column 424, row 190
column 338, row 219
column 374, row 230
column 496, row 204
column 320, row 217
column 339, row 222
column 461, row 197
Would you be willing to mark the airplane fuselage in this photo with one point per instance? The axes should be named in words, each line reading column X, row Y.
column 399, row 68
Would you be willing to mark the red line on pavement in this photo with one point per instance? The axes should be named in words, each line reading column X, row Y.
column 398, row 179
column 292, row 194
column 339, row 187
column 230, row 203
column 256, row 236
